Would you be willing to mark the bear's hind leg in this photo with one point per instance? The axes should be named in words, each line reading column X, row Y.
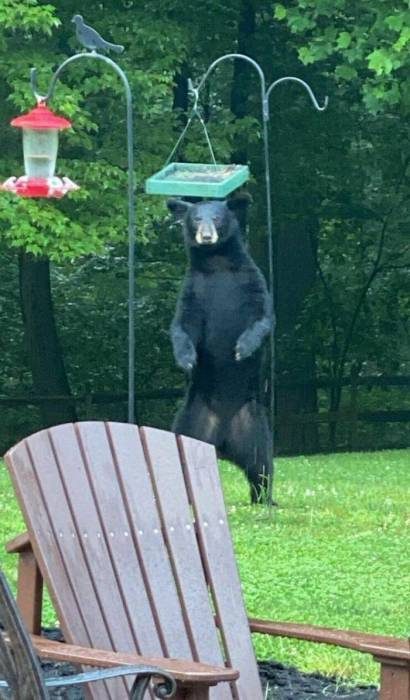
column 248, row 443
column 195, row 419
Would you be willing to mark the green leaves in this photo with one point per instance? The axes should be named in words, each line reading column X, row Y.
column 380, row 61
column 345, row 72
column 395, row 22
column 280, row 11
column 28, row 15
column 343, row 40
column 94, row 152
column 403, row 40
column 371, row 41
column 307, row 55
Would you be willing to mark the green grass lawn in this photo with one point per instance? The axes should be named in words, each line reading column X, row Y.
column 335, row 552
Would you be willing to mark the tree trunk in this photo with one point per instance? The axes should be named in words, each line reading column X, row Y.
column 181, row 91
column 41, row 339
column 295, row 274
column 243, row 80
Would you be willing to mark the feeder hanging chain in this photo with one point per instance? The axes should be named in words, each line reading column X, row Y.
column 195, row 112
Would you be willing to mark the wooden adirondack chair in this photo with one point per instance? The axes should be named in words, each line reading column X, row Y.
column 128, row 528
column 20, row 672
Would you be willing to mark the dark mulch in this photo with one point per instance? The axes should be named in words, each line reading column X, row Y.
column 284, row 683
column 287, row 683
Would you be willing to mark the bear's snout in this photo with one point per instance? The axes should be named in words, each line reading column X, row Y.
column 206, row 233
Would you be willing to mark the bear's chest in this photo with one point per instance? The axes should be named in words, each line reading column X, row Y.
column 221, row 293
column 225, row 310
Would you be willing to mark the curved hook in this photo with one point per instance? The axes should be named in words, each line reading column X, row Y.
column 234, row 55
column 194, row 91
column 33, row 84
column 54, row 78
column 265, row 93
column 75, row 57
column 243, row 57
column 295, row 80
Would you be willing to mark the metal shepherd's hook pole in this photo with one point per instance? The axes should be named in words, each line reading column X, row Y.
column 92, row 41
column 265, row 95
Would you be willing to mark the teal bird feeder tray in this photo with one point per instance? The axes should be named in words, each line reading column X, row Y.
column 204, row 180
column 197, row 180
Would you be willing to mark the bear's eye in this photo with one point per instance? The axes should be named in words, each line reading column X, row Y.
column 197, row 219
column 216, row 220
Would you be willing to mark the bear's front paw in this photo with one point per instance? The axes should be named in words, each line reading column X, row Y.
column 186, row 357
column 245, row 346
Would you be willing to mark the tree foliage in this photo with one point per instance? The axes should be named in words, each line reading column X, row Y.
column 157, row 39
column 340, row 178
column 365, row 45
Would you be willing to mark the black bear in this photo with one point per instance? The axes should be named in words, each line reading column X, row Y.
column 223, row 314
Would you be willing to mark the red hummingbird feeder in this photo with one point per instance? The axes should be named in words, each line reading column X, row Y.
column 40, row 145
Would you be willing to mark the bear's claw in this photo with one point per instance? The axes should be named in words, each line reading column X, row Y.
column 187, row 359
column 243, row 349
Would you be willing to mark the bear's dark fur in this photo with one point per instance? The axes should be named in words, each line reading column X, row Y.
column 223, row 315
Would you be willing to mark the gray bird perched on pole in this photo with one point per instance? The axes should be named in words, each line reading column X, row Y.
column 90, row 39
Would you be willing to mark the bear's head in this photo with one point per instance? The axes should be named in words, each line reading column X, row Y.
column 210, row 223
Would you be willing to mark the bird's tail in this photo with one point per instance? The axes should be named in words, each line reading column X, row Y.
column 115, row 47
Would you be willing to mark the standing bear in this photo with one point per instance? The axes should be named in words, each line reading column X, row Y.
column 223, row 314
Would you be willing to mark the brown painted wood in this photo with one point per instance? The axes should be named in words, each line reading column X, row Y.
column 394, row 680
column 202, row 478
column 392, row 653
column 195, row 693
column 35, row 475
column 41, row 488
column 147, row 536
column 184, row 671
column 391, row 647
column 30, row 591
column 29, row 582
column 18, row 544
column 96, row 503
column 84, row 467
column 179, row 532
column 97, row 535
column 18, row 663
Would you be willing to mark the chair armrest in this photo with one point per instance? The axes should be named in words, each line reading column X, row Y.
column 29, row 582
column 375, row 644
column 184, row 671
column 20, row 543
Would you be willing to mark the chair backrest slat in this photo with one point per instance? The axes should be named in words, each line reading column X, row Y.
column 45, row 523
column 179, row 531
column 145, row 525
column 203, row 482
column 91, row 532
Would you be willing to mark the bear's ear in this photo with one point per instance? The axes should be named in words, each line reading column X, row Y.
column 178, row 208
column 239, row 202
